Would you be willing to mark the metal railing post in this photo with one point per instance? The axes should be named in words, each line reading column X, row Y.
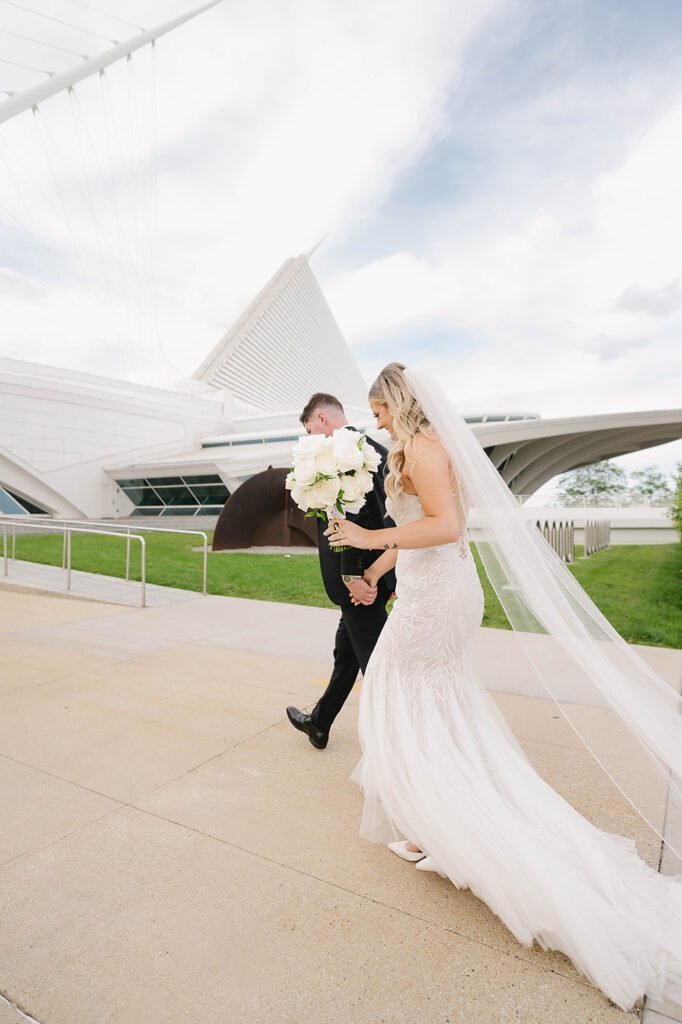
column 68, row 559
column 14, row 541
column 4, row 548
column 143, row 571
column 113, row 530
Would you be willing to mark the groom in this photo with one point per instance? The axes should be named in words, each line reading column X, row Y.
column 362, row 621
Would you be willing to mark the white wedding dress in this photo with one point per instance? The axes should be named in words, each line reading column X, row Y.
column 441, row 768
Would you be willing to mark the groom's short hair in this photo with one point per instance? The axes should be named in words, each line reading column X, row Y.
column 318, row 401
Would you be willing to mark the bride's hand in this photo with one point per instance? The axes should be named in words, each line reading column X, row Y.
column 342, row 533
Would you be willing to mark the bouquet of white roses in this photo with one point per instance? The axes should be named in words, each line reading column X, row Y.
column 331, row 475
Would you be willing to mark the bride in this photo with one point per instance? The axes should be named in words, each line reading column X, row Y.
column 441, row 768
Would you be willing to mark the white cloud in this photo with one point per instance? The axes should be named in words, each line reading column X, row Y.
column 544, row 300
column 277, row 123
column 659, row 301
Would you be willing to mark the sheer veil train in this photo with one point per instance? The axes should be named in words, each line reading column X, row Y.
column 575, row 657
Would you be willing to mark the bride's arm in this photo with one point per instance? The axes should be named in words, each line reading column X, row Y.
column 431, row 477
column 378, row 568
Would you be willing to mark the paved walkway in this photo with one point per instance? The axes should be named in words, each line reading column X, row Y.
column 173, row 851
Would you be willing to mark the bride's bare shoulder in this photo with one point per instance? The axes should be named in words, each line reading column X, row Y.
column 421, row 447
column 426, row 456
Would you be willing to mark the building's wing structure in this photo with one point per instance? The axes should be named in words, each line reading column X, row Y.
column 284, row 347
column 530, row 453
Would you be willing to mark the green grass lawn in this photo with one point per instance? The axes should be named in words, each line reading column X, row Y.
column 637, row 587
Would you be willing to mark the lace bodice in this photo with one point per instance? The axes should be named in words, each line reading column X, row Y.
column 440, row 600
column 407, row 508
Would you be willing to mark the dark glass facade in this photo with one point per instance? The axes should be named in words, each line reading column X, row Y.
column 12, row 504
column 176, row 495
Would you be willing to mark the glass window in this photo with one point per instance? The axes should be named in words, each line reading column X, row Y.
column 142, row 496
column 211, row 493
column 176, row 496
column 28, row 505
column 15, row 505
column 9, row 505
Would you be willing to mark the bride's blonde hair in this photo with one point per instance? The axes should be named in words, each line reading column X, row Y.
column 392, row 390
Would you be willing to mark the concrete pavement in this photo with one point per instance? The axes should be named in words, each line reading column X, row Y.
column 174, row 851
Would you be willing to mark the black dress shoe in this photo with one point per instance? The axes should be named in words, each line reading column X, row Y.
column 301, row 721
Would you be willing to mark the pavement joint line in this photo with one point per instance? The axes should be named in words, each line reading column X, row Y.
column 287, row 867
column 60, row 778
column 580, row 980
column 123, row 805
column 13, row 1006
column 120, row 803
column 208, row 760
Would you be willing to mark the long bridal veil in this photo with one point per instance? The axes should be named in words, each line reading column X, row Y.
column 624, row 713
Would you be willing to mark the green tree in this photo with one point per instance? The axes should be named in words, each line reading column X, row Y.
column 651, row 483
column 676, row 510
column 590, row 483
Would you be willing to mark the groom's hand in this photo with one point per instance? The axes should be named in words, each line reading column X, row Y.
column 361, row 592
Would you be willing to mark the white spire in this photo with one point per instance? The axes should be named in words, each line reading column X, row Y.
column 284, row 347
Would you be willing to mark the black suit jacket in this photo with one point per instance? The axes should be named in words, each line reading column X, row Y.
column 372, row 516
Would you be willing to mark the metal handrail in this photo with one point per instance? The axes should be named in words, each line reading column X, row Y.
column 20, row 521
column 68, row 531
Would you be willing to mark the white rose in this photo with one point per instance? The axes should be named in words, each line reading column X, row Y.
column 371, row 456
column 354, row 506
column 348, row 455
column 308, row 445
column 352, row 489
column 290, row 481
column 324, row 493
column 300, row 495
column 305, row 471
column 365, row 480
column 326, row 461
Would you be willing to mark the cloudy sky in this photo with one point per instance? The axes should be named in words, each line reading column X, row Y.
column 497, row 185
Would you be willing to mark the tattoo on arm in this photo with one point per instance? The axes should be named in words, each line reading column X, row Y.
column 388, row 547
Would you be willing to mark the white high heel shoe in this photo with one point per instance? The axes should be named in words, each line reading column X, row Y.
column 427, row 864
column 401, row 849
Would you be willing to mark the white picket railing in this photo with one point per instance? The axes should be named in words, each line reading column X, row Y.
column 560, row 535
column 597, row 535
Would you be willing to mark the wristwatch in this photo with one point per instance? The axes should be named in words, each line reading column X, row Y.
column 350, row 579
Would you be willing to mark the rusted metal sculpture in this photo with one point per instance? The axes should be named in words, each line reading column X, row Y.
column 261, row 513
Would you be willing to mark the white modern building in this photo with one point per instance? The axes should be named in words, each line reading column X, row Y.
column 74, row 444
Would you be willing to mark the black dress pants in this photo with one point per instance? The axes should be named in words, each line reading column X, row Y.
column 356, row 637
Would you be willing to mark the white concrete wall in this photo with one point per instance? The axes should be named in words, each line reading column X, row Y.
column 60, row 433
column 641, row 524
